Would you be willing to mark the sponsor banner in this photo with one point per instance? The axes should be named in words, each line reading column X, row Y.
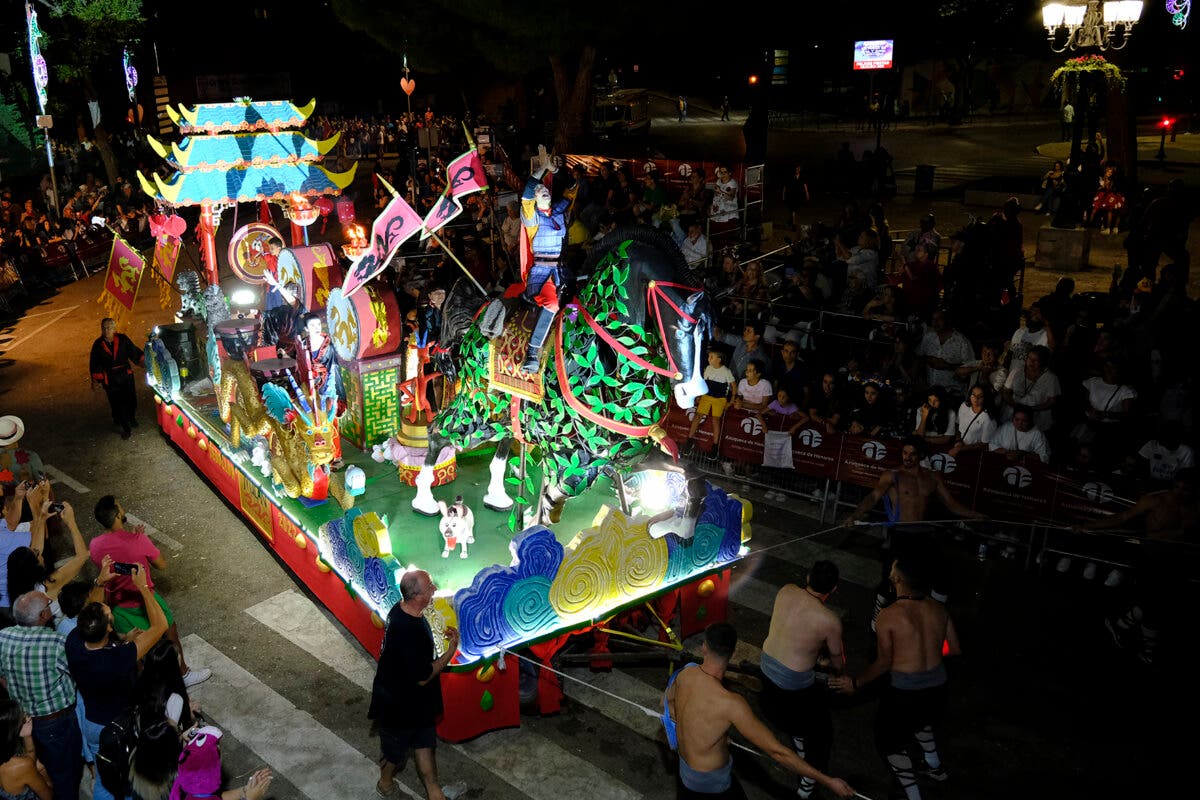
column 1077, row 503
column 678, row 422
column 815, row 454
column 742, row 436
column 1012, row 490
column 864, row 459
column 959, row 473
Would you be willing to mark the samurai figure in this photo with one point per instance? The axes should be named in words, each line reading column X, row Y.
column 317, row 357
column 543, row 270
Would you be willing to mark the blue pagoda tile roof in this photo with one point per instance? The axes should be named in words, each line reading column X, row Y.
column 239, row 116
column 245, row 149
column 253, row 184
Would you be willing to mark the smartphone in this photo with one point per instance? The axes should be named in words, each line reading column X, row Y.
column 122, row 568
column 56, row 507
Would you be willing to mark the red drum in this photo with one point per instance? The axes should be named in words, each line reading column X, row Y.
column 238, row 336
column 365, row 325
column 315, row 268
column 274, row 370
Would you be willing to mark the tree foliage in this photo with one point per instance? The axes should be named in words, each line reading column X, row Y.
column 514, row 38
column 87, row 35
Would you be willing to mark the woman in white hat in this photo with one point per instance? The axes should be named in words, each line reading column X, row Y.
column 16, row 463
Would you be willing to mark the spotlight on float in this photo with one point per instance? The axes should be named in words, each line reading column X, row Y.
column 243, row 298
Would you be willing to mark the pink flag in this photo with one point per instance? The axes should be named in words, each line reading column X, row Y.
column 465, row 176
column 392, row 228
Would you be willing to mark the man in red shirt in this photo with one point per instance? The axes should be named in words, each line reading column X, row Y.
column 121, row 595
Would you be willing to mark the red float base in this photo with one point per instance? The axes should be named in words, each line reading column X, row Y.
column 478, row 698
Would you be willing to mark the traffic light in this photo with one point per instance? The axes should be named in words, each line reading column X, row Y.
column 1166, row 122
column 1177, row 74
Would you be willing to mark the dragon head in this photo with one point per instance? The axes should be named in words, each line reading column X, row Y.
column 311, row 421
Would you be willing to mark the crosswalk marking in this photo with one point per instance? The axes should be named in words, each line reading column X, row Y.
column 295, row 617
column 154, row 533
column 543, row 770
column 621, row 684
column 750, row 592
column 521, row 757
column 855, row 569
column 58, row 476
column 317, row 761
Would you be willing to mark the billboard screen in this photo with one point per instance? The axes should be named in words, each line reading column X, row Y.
column 873, row 54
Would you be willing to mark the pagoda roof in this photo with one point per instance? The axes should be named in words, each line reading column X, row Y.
column 240, row 116
column 227, row 151
column 244, row 185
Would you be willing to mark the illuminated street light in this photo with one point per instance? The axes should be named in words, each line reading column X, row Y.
column 1089, row 26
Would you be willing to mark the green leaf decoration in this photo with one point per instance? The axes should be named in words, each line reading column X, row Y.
column 487, row 702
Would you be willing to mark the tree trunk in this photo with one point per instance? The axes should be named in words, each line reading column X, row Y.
column 574, row 99
column 103, row 144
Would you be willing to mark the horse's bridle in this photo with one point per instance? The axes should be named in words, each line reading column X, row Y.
column 656, row 432
column 653, row 295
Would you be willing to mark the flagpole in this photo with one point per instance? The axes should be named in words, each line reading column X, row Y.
column 434, row 236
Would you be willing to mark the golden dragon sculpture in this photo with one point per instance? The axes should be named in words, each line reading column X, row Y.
column 301, row 435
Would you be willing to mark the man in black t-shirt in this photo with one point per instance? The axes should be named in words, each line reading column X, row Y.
column 406, row 698
column 104, row 666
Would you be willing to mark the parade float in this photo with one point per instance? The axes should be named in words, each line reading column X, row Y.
column 526, row 496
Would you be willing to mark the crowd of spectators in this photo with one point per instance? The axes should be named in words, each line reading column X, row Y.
column 92, row 671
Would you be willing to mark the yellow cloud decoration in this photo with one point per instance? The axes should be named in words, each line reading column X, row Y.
column 371, row 534
column 607, row 565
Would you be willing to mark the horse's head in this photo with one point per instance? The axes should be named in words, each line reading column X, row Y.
column 689, row 329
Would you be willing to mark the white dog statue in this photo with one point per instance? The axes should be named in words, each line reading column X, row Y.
column 457, row 526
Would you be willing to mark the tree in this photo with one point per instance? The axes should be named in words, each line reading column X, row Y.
column 85, row 41
column 515, row 39
column 965, row 39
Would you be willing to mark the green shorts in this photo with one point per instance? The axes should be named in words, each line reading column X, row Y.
column 126, row 619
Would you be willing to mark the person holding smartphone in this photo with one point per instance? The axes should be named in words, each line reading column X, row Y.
column 105, row 665
column 121, row 592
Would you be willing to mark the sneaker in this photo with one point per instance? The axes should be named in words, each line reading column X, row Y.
column 937, row 774
column 1089, row 571
column 195, row 676
column 1114, row 579
column 1064, row 564
column 126, row 433
column 1009, row 552
column 455, row 791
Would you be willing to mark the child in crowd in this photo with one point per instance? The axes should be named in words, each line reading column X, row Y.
column 712, row 405
column 753, row 393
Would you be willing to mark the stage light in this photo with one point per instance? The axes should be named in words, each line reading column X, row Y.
column 243, row 297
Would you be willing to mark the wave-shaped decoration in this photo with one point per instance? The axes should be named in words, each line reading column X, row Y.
column 482, row 624
column 643, row 563
column 377, row 581
column 527, row 608
column 536, row 553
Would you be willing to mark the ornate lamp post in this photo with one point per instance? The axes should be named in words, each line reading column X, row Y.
column 1095, row 26
column 1090, row 26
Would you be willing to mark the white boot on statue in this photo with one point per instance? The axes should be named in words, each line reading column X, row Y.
column 424, row 503
column 496, row 498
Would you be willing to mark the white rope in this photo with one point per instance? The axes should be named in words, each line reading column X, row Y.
column 647, row 711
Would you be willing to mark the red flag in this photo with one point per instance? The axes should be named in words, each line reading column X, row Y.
column 121, row 282
column 464, row 176
column 392, row 228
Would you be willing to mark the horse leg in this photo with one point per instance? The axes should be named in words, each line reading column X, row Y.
column 497, row 498
column 423, row 502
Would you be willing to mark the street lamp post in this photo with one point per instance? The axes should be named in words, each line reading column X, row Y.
column 1089, row 26
column 1095, row 25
